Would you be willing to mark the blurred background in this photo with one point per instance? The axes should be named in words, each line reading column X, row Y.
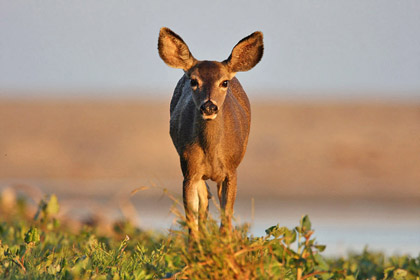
column 84, row 112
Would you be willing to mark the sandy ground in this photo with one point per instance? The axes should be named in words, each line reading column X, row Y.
column 296, row 149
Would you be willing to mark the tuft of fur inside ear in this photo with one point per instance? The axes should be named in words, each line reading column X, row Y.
column 246, row 54
column 173, row 50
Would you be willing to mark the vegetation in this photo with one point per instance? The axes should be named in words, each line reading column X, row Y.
column 41, row 246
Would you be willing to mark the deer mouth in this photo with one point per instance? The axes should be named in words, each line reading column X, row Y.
column 209, row 117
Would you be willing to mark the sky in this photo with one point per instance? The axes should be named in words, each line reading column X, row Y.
column 344, row 47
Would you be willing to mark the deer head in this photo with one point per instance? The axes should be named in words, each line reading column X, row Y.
column 209, row 80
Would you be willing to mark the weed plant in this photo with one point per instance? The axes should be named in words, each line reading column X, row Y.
column 43, row 247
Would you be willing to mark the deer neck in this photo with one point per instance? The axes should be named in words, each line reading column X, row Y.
column 210, row 132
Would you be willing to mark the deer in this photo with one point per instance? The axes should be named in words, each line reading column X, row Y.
column 210, row 119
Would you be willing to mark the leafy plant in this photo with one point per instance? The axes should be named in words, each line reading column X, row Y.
column 44, row 247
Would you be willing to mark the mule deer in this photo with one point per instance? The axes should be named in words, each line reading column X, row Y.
column 210, row 121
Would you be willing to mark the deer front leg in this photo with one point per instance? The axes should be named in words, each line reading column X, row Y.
column 204, row 196
column 196, row 202
column 227, row 194
column 191, row 203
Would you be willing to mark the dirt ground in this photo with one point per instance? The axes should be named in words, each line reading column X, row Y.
column 296, row 149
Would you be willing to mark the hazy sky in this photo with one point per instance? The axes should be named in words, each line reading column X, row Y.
column 309, row 45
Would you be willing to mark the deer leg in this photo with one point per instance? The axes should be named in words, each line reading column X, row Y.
column 227, row 195
column 219, row 194
column 203, row 195
column 191, row 204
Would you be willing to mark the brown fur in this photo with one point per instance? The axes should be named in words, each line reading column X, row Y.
column 209, row 148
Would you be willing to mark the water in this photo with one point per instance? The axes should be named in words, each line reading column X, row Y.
column 348, row 224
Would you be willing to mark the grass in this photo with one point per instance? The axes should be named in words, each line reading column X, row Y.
column 41, row 246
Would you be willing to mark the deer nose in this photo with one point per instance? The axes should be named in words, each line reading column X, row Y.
column 209, row 108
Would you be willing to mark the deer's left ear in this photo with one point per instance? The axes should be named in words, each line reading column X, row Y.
column 246, row 54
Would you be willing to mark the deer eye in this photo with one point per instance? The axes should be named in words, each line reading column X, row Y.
column 224, row 84
column 193, row 83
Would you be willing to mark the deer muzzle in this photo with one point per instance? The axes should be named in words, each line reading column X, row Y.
column 209, row 110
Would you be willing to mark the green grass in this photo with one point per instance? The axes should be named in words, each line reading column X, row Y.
column 43, row 247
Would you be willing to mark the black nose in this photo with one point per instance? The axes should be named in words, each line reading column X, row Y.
column 209, row 108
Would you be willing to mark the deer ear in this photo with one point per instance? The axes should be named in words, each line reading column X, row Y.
column 246, row 54
column 173, row 50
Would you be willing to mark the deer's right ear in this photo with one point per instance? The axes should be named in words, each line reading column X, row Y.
column 173, row 50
